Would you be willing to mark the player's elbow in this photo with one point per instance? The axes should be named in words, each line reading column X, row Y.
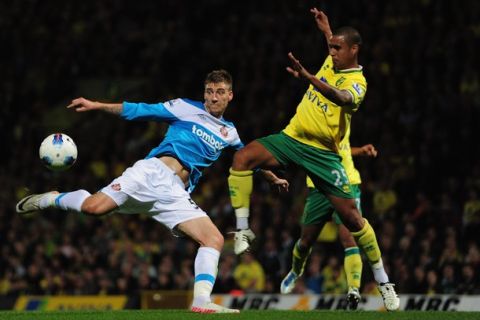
column 344, row 100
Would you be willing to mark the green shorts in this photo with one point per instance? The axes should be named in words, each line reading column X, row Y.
column 319, row 210
column 323, row 167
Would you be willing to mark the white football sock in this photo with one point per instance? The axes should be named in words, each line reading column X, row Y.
column 379, row 272
column 71, row 200
column 242, row 223
column 242, row 218
column 206, row 266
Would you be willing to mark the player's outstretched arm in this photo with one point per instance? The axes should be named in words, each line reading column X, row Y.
column 339, row 97
column 274, row 180
column 322, row 23
column 82, row 104
column 367, row 150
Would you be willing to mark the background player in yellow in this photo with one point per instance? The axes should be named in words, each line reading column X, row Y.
column 311, row 141
column 317, row 212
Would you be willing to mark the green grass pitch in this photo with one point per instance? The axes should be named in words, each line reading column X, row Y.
column 244, row 315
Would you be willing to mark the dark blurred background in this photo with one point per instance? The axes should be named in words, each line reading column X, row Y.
column 421, row 112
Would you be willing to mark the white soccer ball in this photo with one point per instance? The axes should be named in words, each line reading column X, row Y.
column 58, row 152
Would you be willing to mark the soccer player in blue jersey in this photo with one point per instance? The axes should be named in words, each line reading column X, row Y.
column 160, row 184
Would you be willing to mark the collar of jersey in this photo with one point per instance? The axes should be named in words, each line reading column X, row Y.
column 359, row 69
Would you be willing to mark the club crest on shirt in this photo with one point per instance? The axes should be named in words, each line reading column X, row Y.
column 116, row 186
column 224, row 131
column 340, row 81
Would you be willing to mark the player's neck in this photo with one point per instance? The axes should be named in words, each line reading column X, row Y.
column 352, row 65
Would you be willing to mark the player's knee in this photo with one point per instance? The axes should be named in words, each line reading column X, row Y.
column 241, row 160
column 353, row 220
column 346, row 238
column 93, row 208
column 348, row 241
column 307, row 240
column 214, row 240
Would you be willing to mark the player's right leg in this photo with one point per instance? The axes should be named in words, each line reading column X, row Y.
column 240, row 183
column 316, row 213
column 300, row 253
column 203, row 231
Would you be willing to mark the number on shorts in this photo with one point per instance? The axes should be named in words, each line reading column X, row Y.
column 193, row 203
column 338, row 177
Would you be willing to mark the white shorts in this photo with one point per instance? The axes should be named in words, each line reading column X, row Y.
column 152, row 188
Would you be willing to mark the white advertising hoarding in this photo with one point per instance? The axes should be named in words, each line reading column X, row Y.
column 338, row 302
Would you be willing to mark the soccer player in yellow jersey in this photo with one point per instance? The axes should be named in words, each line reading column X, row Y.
column 312, row 141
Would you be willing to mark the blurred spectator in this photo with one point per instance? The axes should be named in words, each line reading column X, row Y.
column 225, row 281
column 471, row 215
column 334, row 279
column 448, row 281
column 313, row 275
column 469, row 283
column 384, row 199
column 432, row 285
column 249, row 274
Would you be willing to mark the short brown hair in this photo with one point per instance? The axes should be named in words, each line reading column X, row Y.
column 217, row 76
column 351, row 35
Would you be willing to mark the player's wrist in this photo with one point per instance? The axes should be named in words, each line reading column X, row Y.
column 97, row 105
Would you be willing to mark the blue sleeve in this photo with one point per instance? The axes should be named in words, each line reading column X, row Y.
column 145, row 111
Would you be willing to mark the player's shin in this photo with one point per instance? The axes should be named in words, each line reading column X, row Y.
column 241, row 185
column 206, row 265
column 367, row 240
column 300, row 255
column 71, row 200
column 353, row 266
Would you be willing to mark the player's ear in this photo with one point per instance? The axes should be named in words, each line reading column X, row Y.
column 230, row 95
column 354, row 48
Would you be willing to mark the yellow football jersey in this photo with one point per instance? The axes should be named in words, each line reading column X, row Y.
column 347, row 162
column 318, row 121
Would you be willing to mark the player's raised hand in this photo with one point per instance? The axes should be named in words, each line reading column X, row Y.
column 82, row 104
column 369, row 150
column 297, row 70
column 322, row 21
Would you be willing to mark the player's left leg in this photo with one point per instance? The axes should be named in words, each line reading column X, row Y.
column 353, row 266
column 110, row 198
column 79, row 200
column 203, row 231
column 36, row 202
column 328, row 175
column 367, row 241
column 352, row 261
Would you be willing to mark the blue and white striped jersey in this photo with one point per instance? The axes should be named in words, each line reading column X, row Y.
column 194, row 137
